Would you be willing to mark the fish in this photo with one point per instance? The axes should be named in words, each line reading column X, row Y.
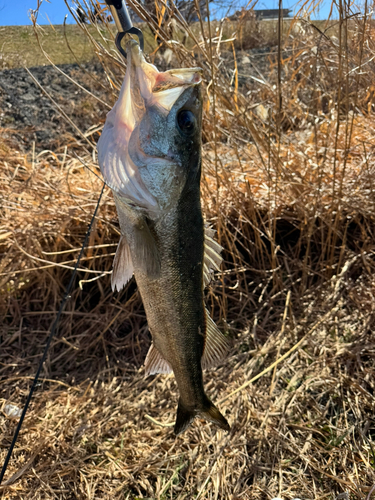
column 149, row 153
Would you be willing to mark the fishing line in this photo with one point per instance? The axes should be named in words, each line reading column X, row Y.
column 88, row 168
column 51, row 335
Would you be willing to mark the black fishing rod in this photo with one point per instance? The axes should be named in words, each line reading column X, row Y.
column 49, row 340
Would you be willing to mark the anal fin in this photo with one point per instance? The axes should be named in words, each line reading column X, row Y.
column 216, row 345
column 155, row 363
column 122, row 266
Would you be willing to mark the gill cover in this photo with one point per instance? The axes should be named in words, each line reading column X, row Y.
column 139, row 156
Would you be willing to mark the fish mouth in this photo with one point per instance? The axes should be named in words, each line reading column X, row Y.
column 144, row 87
column 154, row 87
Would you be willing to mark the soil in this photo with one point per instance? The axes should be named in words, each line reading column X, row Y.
column 27, row 115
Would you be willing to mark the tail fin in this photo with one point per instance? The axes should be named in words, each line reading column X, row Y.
column 183, row 419
column 209, row 412
column 212, row 414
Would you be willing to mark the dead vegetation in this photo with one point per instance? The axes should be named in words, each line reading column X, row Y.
column 288, row 184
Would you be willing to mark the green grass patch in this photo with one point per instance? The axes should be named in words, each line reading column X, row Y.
column 20, row 47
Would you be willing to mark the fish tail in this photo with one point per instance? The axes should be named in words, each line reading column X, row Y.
column 183, row 419
column 212, row 414
column 209, row 412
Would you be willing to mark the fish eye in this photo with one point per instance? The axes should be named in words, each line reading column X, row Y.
column 186, row 121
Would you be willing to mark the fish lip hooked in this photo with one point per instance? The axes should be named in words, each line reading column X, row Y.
column 158, row 82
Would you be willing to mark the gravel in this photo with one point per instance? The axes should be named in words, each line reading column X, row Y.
column 27, row 115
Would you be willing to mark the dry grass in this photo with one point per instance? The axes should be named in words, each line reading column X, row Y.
column 288, row 184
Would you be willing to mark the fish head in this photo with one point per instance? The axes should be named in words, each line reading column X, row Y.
column 171, row 135
column 151, row 142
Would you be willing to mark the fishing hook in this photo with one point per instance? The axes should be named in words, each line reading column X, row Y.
column 124, row 24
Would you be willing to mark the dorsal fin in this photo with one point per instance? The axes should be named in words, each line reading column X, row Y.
column 212, row 257
column 122, row 266
column 155, row 363
column 216, row 345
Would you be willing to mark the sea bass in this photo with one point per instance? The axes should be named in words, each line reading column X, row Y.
column 150, row 156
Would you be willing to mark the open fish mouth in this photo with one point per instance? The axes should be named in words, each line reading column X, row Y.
column 121, row 158
column 146, row 83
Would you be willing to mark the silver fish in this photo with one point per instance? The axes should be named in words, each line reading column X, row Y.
column 150, row 156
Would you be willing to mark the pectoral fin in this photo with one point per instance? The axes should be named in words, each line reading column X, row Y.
column 147, row 257
column 216, row 345
column 212, row 257
column 137, row 227
column 155, row 363
column 122, row 266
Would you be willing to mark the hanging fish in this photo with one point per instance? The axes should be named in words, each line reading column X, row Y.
column 150, row 156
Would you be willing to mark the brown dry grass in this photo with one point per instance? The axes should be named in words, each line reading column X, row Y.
column 288, row 184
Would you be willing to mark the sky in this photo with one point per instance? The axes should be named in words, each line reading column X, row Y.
column 15, row 12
